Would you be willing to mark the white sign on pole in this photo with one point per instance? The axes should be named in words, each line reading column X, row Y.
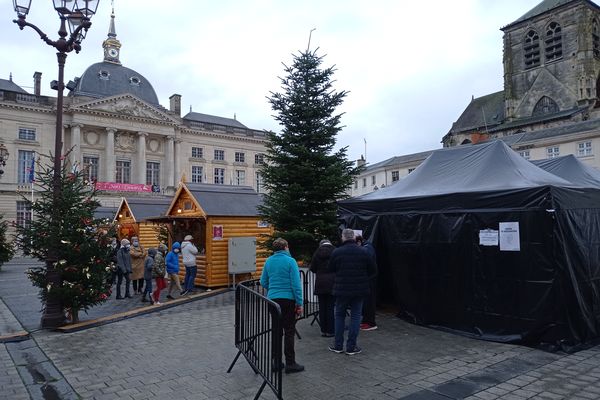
column 509, row 236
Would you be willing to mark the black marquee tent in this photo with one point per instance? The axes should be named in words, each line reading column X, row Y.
column 439, row 235
column 571, row 169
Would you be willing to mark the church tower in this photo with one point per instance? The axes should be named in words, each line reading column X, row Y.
column 112, row 45
column 552, row 59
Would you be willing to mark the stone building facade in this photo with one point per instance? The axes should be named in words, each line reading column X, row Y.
column 118, row 133
column 550, row 104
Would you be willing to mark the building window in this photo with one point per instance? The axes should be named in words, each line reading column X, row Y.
column 532, row 49
column 220, row 155
column 259, row 183
column 26, row 133
column 525, row 154
column 197, row 172
column 552, row 152
column 364, row 182
column 152, row 173
column 197, row 152
column 395, row 176
column 220, row 176
column 553, row 42
column 240, row 177
column 90, row 168
column 259, row 159
column 584, row 149
column 23, row 214
column 373, row 179
column 410, row 170
column 355, row 184
column 240, row 157
column 25, row 163
column 545, row 106
column 123, row 172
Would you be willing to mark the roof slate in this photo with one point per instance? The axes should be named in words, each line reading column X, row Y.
column 226, row 200
column 491, row 105
column 213, row 119
column 10, row 86
column 397, row 160
column 144, row 207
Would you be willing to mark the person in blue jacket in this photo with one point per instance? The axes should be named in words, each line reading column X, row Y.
column 172, row 261
column 281, row 277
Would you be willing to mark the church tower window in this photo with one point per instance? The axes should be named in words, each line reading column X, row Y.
column 596, row 38
column 545, row 106
column 553, row 42
column 532, row 49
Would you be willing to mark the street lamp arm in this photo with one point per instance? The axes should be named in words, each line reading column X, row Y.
column 62, row 45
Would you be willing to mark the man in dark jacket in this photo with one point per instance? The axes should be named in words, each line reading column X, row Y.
column 353, row 267
column 319, row 264
column 124, row 268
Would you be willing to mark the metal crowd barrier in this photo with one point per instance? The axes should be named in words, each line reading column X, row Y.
column 311, row 301
column 258, row 335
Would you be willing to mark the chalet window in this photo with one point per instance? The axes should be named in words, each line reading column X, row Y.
column 240, row 157
column 23, row 214
column 395, row 176
column 220, row 155
column 197, row 172
column 220, row 176
column 26, row 133
column 545, row 106
column 90, row 168
column 197, row 152
column 187, row 205
column 123, row 171
column 532, row 49
column 584, row 149
column 596, row 38
column 553, row 152
column 153, row 173
column 525, row 154
column 553, row 42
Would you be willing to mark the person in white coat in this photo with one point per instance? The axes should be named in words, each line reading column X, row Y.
column 189, row 252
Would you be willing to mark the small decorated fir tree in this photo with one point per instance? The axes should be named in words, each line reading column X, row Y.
column 66, row 230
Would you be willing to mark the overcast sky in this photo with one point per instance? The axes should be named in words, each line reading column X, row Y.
column 411, row 67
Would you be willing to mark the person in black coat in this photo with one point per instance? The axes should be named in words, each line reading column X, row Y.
column 368, row 318
column 353, row 267
column 324, row 286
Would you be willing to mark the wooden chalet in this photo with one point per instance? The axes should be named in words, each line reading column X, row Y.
column 131, row 214
column 213, row 214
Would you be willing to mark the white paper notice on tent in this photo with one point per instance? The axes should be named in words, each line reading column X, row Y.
column 509, row 236
column 488, row 237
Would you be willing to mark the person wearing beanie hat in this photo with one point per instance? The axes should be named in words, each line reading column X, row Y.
column 319, row 264
column 189, row 252
column 123, row 268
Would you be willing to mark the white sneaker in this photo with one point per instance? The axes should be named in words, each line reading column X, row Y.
column 158, row 303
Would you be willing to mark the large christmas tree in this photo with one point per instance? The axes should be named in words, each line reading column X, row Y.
column 65, row 229
column 303, row 174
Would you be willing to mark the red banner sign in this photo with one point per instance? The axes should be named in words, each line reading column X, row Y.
column 123, row 187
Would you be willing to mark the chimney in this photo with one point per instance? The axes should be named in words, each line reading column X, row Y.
column 361, row 161
column 37, row 83
column 175, row 104
column 477, row 137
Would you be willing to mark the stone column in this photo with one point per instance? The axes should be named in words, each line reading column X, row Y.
column 141, row 158
column 169, row 165
column 110, row 155
column 76, row 145
column 177, row 155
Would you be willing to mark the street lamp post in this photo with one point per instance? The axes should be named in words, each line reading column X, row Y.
column 78, row 14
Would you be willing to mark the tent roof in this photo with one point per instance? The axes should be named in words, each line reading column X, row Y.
column 572, row 170
column 226, row 200
column 491, row 166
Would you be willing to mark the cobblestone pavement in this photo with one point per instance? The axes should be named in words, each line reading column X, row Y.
column 184, row 352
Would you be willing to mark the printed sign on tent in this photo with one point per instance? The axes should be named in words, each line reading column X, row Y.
column 488, row 237
column 509, row 236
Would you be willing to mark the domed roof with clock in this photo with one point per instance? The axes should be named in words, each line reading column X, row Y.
column 110, row 77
